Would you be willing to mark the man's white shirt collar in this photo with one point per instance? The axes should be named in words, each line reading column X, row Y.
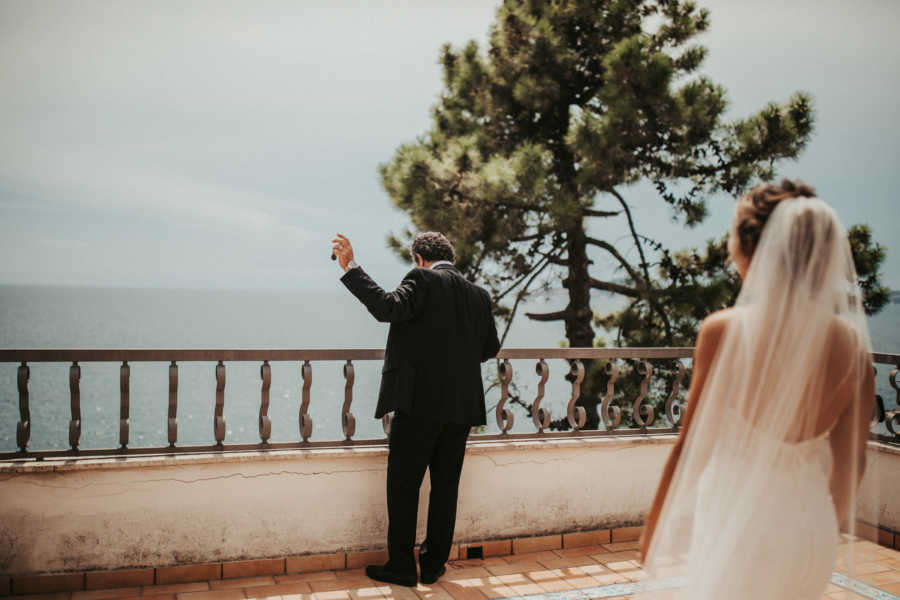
column 440, row 262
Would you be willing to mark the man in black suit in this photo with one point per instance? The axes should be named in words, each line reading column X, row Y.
column 441, row 331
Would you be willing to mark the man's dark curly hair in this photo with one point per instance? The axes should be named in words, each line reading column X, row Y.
column 432, row 246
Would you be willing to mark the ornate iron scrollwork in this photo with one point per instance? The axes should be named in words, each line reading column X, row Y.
column 576, row 415
column 386, row 422
column 173, row 404
column 305, row 421
column 892, row 417
column 505, row 417
column 540, row 416
column 265, row 423
column 23, row 427
column 611, row 415
column 124, row 403
column 219, row 416
column 348, row 421
column 643, row 414
column 75, row 393
column 675, row 409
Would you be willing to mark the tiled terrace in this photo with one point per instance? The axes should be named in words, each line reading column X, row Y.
column 597, row 571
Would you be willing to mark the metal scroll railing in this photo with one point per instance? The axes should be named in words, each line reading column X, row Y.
column 610, row 409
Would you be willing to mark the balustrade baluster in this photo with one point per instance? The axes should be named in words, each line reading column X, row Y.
column 643, row 414
column 674, row 410
column 505, row 417
column 306, row 422
column 892, row 418
column 611, row 415
column 172, row 423
column 348, row 421
column 75, row 393
column 23, row 427
column 878, row 414
column 576, row 414
column 219, row 417
column 124, row 407
column 540, row 416
column 265, row 423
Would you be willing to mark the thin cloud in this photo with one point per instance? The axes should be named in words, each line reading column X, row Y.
column 106, row 183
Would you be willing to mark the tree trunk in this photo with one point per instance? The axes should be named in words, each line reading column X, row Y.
column 579, row 331
column 578, row 324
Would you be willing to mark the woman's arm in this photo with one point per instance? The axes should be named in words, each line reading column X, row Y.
column 849, row 437
column 708, row 338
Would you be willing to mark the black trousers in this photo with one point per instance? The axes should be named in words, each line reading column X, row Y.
column 415, row 445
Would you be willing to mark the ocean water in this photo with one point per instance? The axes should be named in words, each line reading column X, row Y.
column 73, row 317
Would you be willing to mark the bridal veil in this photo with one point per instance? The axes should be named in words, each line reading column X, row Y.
column 778, row 436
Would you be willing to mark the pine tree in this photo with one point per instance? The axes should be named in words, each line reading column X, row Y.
column 572, row 101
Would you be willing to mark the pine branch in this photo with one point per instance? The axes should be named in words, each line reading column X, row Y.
column 559, row 315
column 634, row 234
column 644, row 266
column 545, row 258
column 589, row 212
column 519, row 297
column 611, row 249
column 476, row 268
column 615, row 288
column 528, row 238
column 541, row 232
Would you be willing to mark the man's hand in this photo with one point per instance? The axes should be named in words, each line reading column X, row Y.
column 342, row 249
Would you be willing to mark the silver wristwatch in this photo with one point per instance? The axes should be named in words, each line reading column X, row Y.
column 352, row 265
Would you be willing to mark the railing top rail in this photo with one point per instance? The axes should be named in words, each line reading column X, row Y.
column 634, row 352
column 886, row 358
column 186, row 354
column 275, row 354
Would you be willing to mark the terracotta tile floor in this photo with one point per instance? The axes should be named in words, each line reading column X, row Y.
column 608, row 571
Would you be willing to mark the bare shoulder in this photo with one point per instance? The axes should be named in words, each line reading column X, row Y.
column 710, row 334
column 842, row 335
column 714, row 325
column 845, row 344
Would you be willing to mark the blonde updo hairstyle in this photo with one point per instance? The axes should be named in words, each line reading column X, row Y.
column 753, row 210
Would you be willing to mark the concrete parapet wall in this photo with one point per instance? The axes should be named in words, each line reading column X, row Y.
column 156, row 511
column 879, row 494
column 153, row 511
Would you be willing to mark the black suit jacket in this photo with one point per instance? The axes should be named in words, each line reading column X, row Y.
column 441, row 331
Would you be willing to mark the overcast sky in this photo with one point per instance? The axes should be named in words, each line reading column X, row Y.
column 221, row 144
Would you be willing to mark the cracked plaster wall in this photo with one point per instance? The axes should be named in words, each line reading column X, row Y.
column 879, row 494
column 175, row 510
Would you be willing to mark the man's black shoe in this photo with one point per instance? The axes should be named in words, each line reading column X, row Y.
column 429, row 578
column 380, row 573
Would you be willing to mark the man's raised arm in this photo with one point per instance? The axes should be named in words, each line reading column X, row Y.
column 403, row 304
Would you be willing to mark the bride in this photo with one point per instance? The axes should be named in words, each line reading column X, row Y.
column 765, row 470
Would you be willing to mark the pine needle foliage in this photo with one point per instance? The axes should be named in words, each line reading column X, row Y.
column 545, row 129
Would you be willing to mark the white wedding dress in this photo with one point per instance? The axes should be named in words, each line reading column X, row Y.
column 748, row 513
column 784, row 548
